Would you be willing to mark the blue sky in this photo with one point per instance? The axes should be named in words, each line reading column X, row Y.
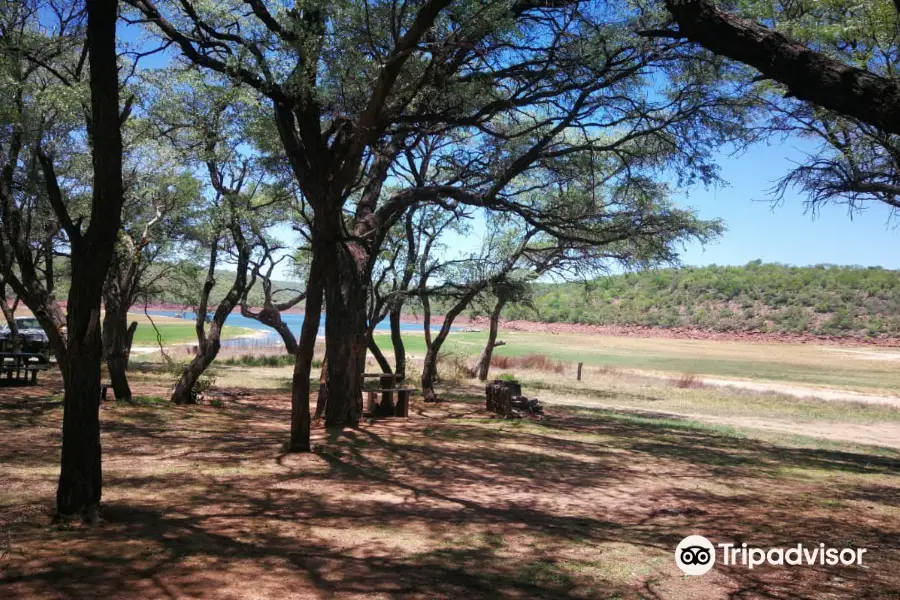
column 785, row 233
column 757, row 230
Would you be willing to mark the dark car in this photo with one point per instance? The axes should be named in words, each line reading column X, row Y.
column 34, row 340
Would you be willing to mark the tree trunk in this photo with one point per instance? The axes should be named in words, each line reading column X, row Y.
column 271, row 317
column 484, row 361
column 429, row 369
column 322, row 396
column 346, row 287
column 129, row 341
column 115, row 340
column 397, row 342
column 429, row 374
column 9, row 315
column 80, row 477
column 377, row 353
column 300, row 421
column 185, row 392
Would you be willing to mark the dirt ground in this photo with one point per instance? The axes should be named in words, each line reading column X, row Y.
column 201, row 502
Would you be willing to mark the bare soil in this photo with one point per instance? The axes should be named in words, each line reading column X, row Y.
column 687, row 333
column 201, row 502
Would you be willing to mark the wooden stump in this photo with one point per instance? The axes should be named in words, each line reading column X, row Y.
column 500, row 394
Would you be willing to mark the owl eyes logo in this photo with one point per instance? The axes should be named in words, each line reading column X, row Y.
column 695, row 555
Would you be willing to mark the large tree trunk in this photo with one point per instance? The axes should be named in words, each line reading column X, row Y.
column 484, row 361
column 115, row 343
column 346, row 286
column 345, row 348
column 300, row 420
column 80, row 477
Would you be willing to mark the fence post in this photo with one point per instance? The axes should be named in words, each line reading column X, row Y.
column 579, row 370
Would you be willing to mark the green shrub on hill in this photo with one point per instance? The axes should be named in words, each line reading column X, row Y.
column 821, row 299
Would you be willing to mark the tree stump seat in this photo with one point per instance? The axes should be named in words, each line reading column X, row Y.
column 505, row 398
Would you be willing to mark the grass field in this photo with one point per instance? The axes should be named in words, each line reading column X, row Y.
column 180, row 333
column 854, row 368
column 175, row 331
column 452, row 503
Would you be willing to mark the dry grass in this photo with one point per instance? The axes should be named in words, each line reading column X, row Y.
column 537, row 362
column 201, row 502
column 687, row 381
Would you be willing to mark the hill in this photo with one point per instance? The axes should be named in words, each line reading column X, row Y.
column 819, row 300
column 757, row 297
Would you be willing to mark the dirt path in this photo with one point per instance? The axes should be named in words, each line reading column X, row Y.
column 799, row 391
column 874, row 435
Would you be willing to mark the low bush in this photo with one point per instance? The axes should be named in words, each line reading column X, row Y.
column 538, row 362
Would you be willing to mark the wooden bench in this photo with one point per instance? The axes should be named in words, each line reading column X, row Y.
column 387, row 407
column 21, row 367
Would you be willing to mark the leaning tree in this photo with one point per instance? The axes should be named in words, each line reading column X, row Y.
column 522, row 93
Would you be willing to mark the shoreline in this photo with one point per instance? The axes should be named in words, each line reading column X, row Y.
column 639, row 331
column 635, row 331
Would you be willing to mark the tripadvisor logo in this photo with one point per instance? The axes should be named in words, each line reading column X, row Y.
column 696, row 555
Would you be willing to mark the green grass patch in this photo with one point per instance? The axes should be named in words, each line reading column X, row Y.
column 154, row 401
column 273, row 360
column 179, row 333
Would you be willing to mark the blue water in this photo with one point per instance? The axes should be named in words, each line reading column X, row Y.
column 293, row 320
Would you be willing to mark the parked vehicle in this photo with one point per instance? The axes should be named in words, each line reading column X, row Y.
column 34, row 340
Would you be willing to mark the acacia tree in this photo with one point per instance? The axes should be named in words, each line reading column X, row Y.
column 502, row 292
column 404, row 270
column 524, row 92
column 157, row 193
column 93, row 28
column 465, row 282
column 262, row 267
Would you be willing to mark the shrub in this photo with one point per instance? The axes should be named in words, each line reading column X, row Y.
column 687, row 380
column 452, row 366
column 266, row 360
column 538, row 362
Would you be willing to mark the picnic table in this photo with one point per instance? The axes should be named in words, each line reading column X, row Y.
column 22, row 367
column 389, row 383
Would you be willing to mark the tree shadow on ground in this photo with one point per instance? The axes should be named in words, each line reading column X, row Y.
column 201, row 502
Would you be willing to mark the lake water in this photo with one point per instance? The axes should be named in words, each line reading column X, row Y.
column 293, row 320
